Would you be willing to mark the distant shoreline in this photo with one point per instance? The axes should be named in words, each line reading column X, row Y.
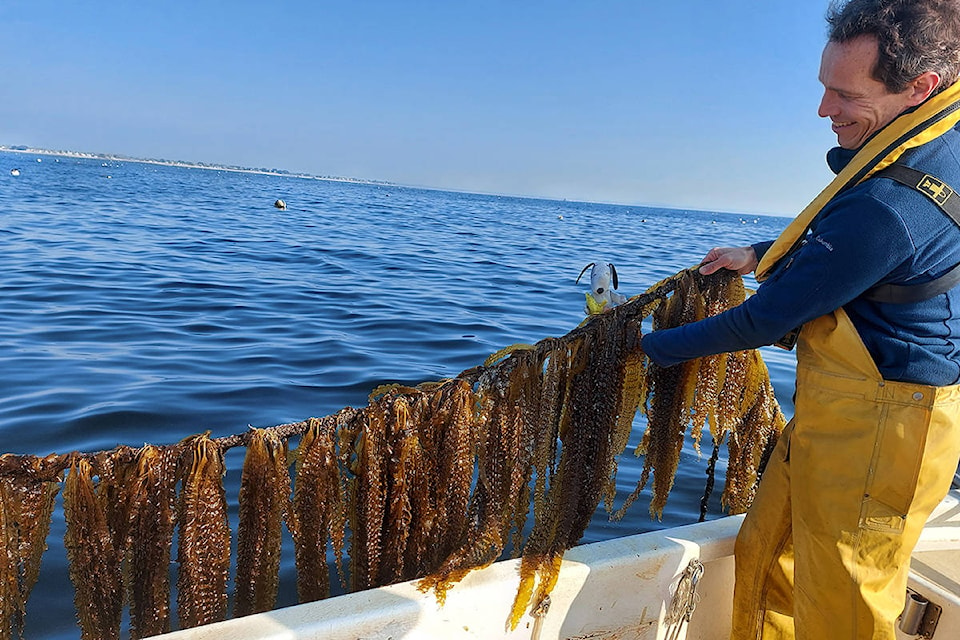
column 306, row 176
column 183, row 164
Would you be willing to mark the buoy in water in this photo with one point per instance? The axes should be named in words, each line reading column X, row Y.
column 280, row 204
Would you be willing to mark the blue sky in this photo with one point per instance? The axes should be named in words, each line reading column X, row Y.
column 683, row 103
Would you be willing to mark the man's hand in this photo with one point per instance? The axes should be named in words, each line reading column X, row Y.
column 743, row 260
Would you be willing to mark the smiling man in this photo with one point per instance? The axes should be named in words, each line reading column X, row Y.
column 856, row 102
column 868, row 277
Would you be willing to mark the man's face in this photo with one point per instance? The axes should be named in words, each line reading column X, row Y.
column 856, row 103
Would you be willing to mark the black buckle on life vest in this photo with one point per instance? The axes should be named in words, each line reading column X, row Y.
column 789, row 341
column 935, row 189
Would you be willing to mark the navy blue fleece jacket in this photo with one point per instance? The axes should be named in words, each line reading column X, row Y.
column 876, row 232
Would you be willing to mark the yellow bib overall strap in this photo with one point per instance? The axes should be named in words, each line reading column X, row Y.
column 824, row 551
column 930, row 120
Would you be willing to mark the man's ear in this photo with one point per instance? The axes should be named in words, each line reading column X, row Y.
column 922, row 86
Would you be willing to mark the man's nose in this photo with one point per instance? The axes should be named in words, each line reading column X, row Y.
column 827, row 106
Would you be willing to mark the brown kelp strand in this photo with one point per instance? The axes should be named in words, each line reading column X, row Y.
column 94, row 562
column 667, row 394
column 669, row 413
column 405, row 479
column 454, row 421
column 525, row 385
column 589, row 444
column 509, row 399
column 204, row 544
column 25, row 512
column 409, row 464
column 318, row 505
column 264, row 500
column 116, row 470
column 153, row 505
column 11, row 606
column 429, row 481
column 430, row 418
column 368, row 498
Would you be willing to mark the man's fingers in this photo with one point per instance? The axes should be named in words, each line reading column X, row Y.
column 711, row 267
column 715, row 260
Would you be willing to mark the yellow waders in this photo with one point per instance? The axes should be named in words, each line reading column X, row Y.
column 825, row 549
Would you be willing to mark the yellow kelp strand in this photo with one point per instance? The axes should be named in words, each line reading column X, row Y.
column 724, row 292
column 541, row 572
column 264, row 498
column 506, row 351
column 673, row 391
column 752, row 438
column 94, row 564
column 710, row 376
column 553, row 393
column 203, row 551
column 632, row 393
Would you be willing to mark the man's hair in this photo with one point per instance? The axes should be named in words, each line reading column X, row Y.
column 913, row 37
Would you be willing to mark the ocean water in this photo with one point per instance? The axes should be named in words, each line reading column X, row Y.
column 145, row 303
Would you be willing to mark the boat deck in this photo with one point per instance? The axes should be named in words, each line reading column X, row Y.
column 935, row 567
column 939, row 567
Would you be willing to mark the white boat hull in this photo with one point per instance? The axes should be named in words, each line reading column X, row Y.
column 617, row 589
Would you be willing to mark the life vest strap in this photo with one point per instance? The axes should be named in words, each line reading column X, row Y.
column 947, row 200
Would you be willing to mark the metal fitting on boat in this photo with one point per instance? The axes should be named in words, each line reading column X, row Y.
column 538, row 614
column 685, row 599
column 920, row 616
column 913, row 612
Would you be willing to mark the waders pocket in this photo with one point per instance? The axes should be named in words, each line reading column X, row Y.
column 877, row 516
column 894, row 467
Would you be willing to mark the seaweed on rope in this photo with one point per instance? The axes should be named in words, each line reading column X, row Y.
column 427, row 482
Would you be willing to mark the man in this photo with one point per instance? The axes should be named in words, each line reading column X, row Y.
column 865, row 272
